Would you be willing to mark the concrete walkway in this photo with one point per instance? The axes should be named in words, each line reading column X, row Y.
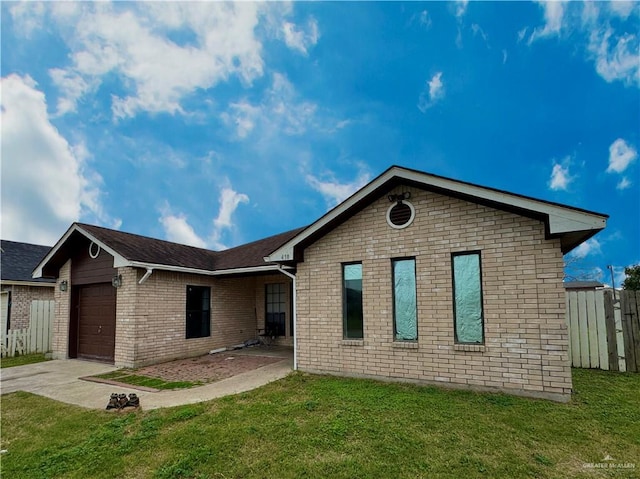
column 59, row 380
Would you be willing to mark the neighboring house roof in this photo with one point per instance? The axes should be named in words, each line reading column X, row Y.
column 572, row 225
column 18, row 261
column 582, row 285
column 138, row 251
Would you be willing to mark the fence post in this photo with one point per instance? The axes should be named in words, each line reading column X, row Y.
column 630, row 329
column 610, row 323
column 602, row 331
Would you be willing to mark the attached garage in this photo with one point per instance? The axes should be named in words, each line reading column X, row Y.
column 96, row 308
column 92, row 326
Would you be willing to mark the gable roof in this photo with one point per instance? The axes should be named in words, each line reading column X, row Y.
column 139, row 251
column 18, row 261
column 572, row 225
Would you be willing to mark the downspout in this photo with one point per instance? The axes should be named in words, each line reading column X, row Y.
column 146, row 275
column 295, row 316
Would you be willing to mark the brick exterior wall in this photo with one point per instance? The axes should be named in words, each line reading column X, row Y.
column 151, row 318
column 21, row 297
column 526, row 340
column 63, row 308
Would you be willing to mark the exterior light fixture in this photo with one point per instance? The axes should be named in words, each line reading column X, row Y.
column 116, row 282
column 402, row 196
column 64, row 285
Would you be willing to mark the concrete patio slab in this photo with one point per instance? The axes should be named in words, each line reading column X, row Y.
column 60, row 380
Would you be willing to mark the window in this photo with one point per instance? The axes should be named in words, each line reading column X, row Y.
column 275, row 307
column 405, row 314
column 352, row 301
column 198, row 312
column 467, row 294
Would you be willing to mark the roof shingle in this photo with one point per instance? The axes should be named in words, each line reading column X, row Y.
column 19, row 260
column 154, row 251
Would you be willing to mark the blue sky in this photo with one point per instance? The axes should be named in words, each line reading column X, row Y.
column 216, row 124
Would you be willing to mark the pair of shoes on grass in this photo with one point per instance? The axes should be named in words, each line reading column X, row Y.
column 120, row 401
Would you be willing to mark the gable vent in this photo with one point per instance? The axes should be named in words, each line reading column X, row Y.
column 400, row 215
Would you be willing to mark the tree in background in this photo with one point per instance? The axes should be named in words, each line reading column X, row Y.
column 632, row 281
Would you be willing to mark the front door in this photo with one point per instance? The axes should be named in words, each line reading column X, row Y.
column 97, row 321
column 275, row 317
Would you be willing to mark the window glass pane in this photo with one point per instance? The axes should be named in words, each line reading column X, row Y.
column 405, row 310
column 468, row 298
column 198, row 312
column 352, row 295
column 275, row 309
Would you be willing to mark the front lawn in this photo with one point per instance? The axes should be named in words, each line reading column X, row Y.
column 22, row 360
column 315, row 426
column 128, row 376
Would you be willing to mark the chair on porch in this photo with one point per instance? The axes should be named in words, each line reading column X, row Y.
column 266, row 336
column 274, row 326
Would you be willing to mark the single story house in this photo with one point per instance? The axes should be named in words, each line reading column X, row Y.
column 17, row 287
column 415, row 277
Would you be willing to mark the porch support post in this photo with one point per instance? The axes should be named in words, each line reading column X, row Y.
column 295, row 315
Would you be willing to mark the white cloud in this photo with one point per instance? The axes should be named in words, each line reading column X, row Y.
column 461, row 8
column 522, row 33
column 560, row 177
column 477, row 30
column 178, row 230
column 621, row 155
column 73, row 87
column 300, row 40
column 600, row 27
column 136, row 43
column 589, row 247
column 280, row 111
column 28, row 16
column 243, row 116
column 615, row 56
column 553, row 16
column 335, row 191
column 229, row 201
column 623, row 184
column 422, row 18
column 621, row 8
column 433, row 92
column 45, row 182
column 425, row 19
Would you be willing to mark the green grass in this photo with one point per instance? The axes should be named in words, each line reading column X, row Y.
column 315, row 427
column 129, row 377
column 22, row 360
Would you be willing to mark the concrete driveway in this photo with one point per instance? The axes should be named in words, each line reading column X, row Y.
column 60, row 380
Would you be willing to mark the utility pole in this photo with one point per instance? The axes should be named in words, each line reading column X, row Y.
column 613, row 283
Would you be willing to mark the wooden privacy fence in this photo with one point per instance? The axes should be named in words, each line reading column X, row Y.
column 36, row 338
column 604, row 329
